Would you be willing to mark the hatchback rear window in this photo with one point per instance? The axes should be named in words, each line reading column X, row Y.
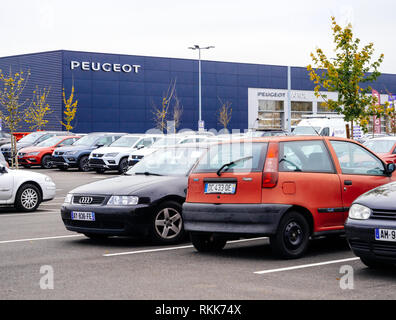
column 246, row 157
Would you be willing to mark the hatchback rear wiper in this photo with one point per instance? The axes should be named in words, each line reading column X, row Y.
column 146, row 173
column 227, row 165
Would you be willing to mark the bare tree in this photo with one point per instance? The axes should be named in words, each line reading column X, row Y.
column 161, row 112
column 224, row 113
column 177, row 111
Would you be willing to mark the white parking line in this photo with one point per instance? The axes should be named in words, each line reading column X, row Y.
column 170, row 248
column 306, row 266
column 47, row 211
column 38, row 239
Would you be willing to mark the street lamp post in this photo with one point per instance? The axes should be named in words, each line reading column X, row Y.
column 197, row 47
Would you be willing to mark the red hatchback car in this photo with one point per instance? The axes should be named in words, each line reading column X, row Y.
column 40, row 154
column 287, row 188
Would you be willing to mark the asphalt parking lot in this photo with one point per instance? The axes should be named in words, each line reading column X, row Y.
column 127, row 268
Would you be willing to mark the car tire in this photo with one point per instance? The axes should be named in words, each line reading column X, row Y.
column 167, row 223
column 206, row 242
column 100, row 170
column 292, row 237
column 123, row 166
column 28, row 198
column 83, row 164
column 375, row 264
column 46, row 162
column 96, row 236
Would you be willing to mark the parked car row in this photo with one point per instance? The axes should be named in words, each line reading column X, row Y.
column 232, row 189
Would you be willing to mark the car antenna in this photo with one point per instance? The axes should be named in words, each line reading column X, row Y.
column 317, row 133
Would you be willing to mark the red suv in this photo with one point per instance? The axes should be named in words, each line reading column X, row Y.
column 41, row 153
column 287, row 188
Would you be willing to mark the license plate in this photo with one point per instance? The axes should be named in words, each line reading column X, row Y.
column 83, row 216
column 228, row 188
column 385, row 235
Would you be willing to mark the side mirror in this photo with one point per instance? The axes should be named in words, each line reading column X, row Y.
column 390, row 168
column 3, row 169
column 99, row 145
column 140, row 146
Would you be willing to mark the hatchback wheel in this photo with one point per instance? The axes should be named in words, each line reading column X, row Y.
column 167, row 224
column 46, row 162
column 83, row 164
column 28, row 198
column 292, row 237
column 205, row 242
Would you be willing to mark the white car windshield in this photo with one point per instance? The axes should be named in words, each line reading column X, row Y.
column 170, row 161
column 30, row 138
column 380, row 146
column 167, row 141
column 305, row 130
column 50, row 142
column 125, row 142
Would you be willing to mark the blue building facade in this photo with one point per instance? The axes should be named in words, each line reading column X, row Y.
column 117, row 92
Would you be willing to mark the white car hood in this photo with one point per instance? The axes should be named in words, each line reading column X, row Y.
column 27, row 174
column 143, row 152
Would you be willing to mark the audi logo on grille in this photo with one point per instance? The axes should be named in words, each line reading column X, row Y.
column 85, row 200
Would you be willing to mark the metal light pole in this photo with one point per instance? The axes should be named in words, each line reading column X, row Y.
column 197, row 47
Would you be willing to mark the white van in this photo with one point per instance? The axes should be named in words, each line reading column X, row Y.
column 333, row 126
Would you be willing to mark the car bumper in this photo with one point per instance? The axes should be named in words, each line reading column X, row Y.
column 64, row 161
column 248, row 219
column 112, row 221
column 49, row 191
column 30, row 160
column 361, row 239
column 102, row 164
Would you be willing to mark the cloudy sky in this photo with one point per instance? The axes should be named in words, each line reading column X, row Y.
column 280, row 32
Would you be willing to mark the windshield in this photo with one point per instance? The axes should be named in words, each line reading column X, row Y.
column 168, row 141
column 168, row 162
column 50, row 142
column 246, row 157
column 87, row 140
column 380, row 146
column 303, row 130
column 125, row 142
column 30, row 138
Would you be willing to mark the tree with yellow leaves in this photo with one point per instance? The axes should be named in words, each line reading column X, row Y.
column 38, row 109
column 345, row 74
column 11, row 102
column 70, row 109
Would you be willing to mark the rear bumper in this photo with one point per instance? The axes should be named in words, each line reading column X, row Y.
column 247, row 219
column 361, row 239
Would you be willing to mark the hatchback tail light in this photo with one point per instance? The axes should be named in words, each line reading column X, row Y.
column 270, row 174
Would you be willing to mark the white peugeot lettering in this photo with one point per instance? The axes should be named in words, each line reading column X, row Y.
column 85, row 66
column 74, row 64
column 116, row 67
column 126, row 68
column 106, row 67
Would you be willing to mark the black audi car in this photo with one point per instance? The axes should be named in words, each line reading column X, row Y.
column 371, row 226
column 146, row 201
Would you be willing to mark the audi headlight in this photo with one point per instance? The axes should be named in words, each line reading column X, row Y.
column 68, row 198
column 111, row 154
column 123, row 200
column 359, row 212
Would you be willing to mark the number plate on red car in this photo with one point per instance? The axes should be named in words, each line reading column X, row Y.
column 228, row 188
column 385, row 235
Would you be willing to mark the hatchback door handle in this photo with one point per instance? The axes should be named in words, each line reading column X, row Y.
column 348, row 182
